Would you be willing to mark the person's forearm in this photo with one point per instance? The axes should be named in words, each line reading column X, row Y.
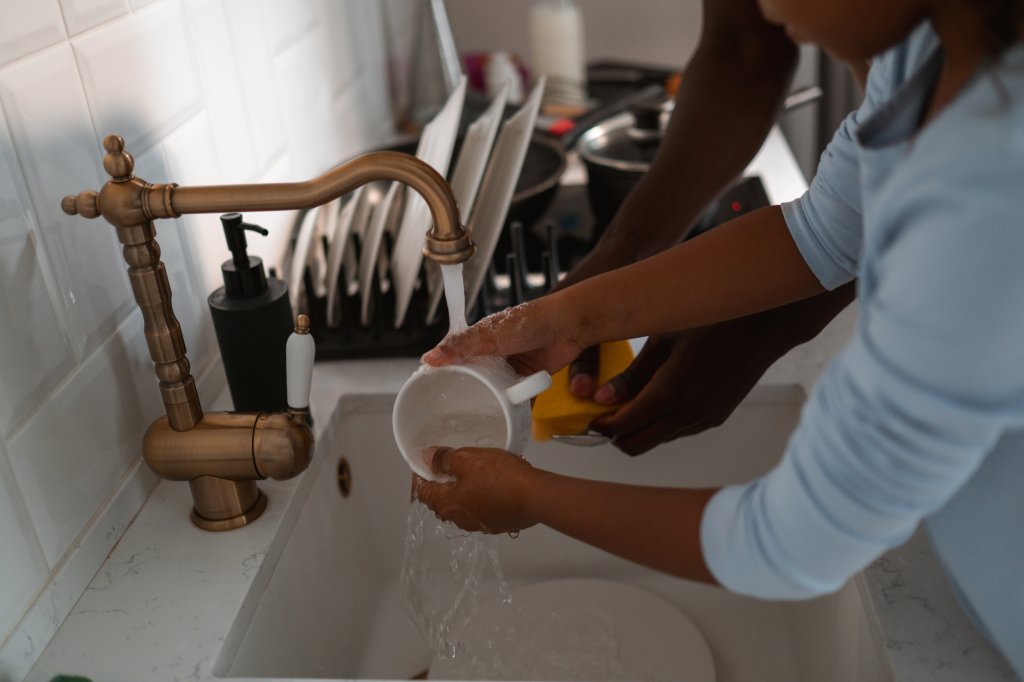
column 730, row 94
column 656, row 527
column 746, row 266
column 780, row 329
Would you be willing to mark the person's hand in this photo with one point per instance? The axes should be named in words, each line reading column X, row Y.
column 533, row 336
column 488, row 493
column 680, row 385
column 684, row 384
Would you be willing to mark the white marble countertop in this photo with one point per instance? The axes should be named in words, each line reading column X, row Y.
column 162, row 605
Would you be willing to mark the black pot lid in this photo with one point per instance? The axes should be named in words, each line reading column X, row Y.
column 619, row 144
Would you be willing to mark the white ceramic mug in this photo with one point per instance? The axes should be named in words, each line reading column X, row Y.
column 480, row 403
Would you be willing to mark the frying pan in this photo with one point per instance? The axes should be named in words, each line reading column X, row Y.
column 545, row 159
column 542, row 171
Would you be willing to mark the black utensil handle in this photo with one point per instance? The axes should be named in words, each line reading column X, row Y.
column 607, row 110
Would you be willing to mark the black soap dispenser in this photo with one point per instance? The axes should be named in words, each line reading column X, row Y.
column 253, row 320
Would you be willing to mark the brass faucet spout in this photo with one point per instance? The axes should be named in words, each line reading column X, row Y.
column 446, row 242
column 127, row 200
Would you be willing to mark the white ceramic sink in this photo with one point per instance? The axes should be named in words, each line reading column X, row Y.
column 330, row 606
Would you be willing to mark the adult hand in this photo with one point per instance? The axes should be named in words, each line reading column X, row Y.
column 488, row 493
column 683, row 384
column 678, row 386
column 533, row 336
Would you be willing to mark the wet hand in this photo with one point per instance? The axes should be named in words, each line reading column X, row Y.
column 533, row 336
column 488, row 492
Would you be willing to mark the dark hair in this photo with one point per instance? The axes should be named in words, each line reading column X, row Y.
column 1002, row 20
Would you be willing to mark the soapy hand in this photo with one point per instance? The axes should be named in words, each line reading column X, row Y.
column 533, row 336
column 488, row 493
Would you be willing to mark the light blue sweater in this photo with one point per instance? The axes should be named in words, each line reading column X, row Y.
column 921, row 416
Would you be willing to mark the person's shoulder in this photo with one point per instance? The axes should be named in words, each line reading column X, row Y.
column 908, row 56
column 897, row 64
column 890, row 69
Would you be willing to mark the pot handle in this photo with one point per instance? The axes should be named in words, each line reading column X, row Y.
column 606, row 111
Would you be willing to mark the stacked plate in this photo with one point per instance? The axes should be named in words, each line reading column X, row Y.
column 370, row 243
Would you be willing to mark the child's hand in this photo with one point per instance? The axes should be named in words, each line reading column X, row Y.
column 489, row 491
column 538, row 335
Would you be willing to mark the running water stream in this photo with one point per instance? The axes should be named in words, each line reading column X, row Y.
column 455, row 296
column 443, row 565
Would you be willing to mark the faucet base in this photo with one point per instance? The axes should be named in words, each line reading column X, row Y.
column 229, row 504
column 233, row 523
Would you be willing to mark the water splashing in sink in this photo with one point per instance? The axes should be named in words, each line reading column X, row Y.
column 441, row 578
column 444, row 566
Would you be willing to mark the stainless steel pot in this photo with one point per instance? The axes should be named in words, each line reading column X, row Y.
column 619, row 150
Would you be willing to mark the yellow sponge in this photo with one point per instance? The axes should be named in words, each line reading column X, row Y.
column 558, row 411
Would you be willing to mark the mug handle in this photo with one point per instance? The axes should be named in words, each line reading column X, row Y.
column 536, row 383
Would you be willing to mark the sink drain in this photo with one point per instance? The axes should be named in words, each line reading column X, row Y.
column 344, row 477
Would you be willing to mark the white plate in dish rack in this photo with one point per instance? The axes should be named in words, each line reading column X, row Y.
column 368, row 255
column 300, row 257
column 326, row 224
column 497, row 188
column 374, row 194
column 339, row 254
column 469, row 171
column 435, row 148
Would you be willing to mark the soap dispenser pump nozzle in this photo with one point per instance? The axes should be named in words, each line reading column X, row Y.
column 243, row 274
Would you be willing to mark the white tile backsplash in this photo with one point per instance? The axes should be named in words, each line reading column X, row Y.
column 138, row 75
column 83, row 440
column 81, row 15
column 59, row 155
column 367, row 110
column 24, row 568
column 313, row 135
column 205, row 92
column 225, row 104
column 288, row 22
column 354, row 52
column 256, row 74
column 29, row 25
column 34, row 353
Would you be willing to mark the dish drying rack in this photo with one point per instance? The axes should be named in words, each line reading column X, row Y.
column 380, row 338
column 554, row 246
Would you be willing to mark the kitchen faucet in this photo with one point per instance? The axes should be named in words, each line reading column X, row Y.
column 222, row 455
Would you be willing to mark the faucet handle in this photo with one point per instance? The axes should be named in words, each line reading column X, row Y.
column 300, row 351
column 118, row 163
column 85, row 203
